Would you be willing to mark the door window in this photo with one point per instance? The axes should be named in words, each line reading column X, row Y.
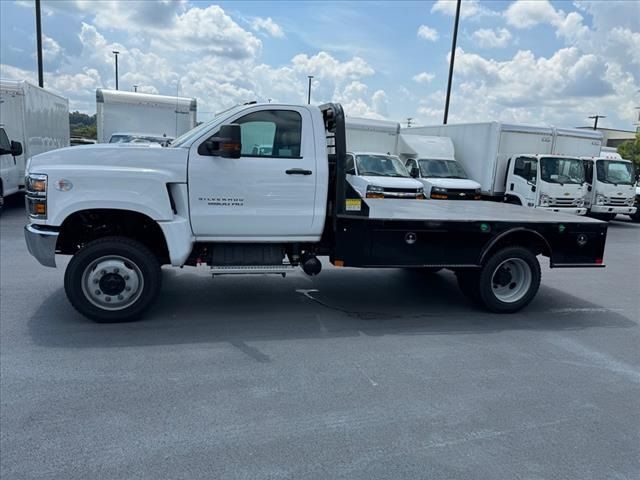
column 271, row 133
column 526, row 168
column 351, row 166
column 5, row 144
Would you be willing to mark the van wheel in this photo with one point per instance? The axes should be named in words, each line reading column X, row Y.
column 113, row 279
column 509, row 280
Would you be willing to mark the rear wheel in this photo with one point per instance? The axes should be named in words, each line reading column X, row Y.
column 509, row 280
column 113, row 279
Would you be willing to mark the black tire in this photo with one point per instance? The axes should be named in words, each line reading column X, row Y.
column 605, row 217
column 500, row 263
column 636, row 216
column 133, row 255
column 513, row 200
column 469, row 282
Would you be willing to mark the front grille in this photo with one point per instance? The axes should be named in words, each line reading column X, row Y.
column 563, row 202
column 460, row 194
column 402, row 190
column 618, row 202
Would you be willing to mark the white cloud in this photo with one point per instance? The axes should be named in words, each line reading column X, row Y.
column 527, row 14
column 468, row 8
column 488, row 38
column 428, row 33
column 324, row 65
column 423, row 77
column 267, row 25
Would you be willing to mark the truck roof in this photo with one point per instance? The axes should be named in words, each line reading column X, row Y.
column 19, row 86
column 104, row 95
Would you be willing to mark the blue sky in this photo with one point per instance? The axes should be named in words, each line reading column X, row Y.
column 525, row 61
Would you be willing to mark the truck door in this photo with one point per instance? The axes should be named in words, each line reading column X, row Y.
column 523, row 179
column 269, row 191
column 8, row 168
column 588, row 176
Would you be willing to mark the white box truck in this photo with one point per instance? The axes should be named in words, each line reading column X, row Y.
column 120, row 112
column 611, row 186
column 33, row 117
column 530, row 165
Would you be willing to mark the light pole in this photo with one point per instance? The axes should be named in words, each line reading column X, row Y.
column 116, row 52
column 310, row 77
column 595, row 120
column 135, row 88
column 39, row 44
column 453, row 56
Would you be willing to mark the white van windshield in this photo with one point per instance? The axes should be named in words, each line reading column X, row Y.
column 562, row 170
column 441, row 169
column 611, row 171
column 380, row 166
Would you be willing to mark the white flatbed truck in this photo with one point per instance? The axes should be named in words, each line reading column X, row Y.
column 122, row 212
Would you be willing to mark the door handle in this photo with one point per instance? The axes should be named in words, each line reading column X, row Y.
column 298, row 171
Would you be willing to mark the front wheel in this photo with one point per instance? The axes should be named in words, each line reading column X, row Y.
column 113, row 279
column 636, row 216
column 509, row 280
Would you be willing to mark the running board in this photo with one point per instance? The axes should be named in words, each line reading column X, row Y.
column 252, row 269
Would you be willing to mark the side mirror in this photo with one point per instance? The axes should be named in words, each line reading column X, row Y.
column 351, row 171
column 589, row 188
column 16, row 148
column 228, row 143
column 415, row 172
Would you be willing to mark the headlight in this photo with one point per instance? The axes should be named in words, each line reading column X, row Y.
column 544, row 200
column 373, row 191
column 600, row 199
column 580, row 202
column 36, row 195
column 439, row 190
column 630, row 201
column 420, row 194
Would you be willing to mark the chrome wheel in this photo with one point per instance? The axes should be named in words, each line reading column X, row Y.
column 511, row 280
column 112, row 282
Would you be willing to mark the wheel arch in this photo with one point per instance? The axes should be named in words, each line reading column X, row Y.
column 84, row 226
column 517, row 237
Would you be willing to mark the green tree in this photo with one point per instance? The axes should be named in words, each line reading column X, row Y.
column 630, row 150
column 82, row 125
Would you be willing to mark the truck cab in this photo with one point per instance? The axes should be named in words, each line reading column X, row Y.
column 10, row 171
column 610, row 186
column 379, row 175
column 551, row 182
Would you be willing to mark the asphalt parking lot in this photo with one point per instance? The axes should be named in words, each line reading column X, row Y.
column 353, row 374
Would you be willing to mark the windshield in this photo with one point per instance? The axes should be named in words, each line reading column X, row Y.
column 138, row 139
column 380, row 166
column 203, row 127
column 611, row 171
column 441, row 169
column 562, row 170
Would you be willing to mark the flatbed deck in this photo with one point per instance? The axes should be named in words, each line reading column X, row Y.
column 465, row 211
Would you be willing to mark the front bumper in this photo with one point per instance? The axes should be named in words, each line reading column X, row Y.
column 610, row 209
column 41, row 244
column 572, row 210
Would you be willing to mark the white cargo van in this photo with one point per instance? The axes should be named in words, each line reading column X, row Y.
column 378, row 175
column 431, row 160
column 120, row 112
column 385, row 137
column 33, row 117
column 530, row 165
column 611, row 186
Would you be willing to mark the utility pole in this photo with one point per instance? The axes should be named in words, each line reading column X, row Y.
column 409, row 120
column 453, row 57
column 595, row 120
column 310, row 77
column 135, row 88
column 39, row 44
column 116, row 52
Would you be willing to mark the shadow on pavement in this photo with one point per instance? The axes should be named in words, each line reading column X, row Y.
column 196, row 309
